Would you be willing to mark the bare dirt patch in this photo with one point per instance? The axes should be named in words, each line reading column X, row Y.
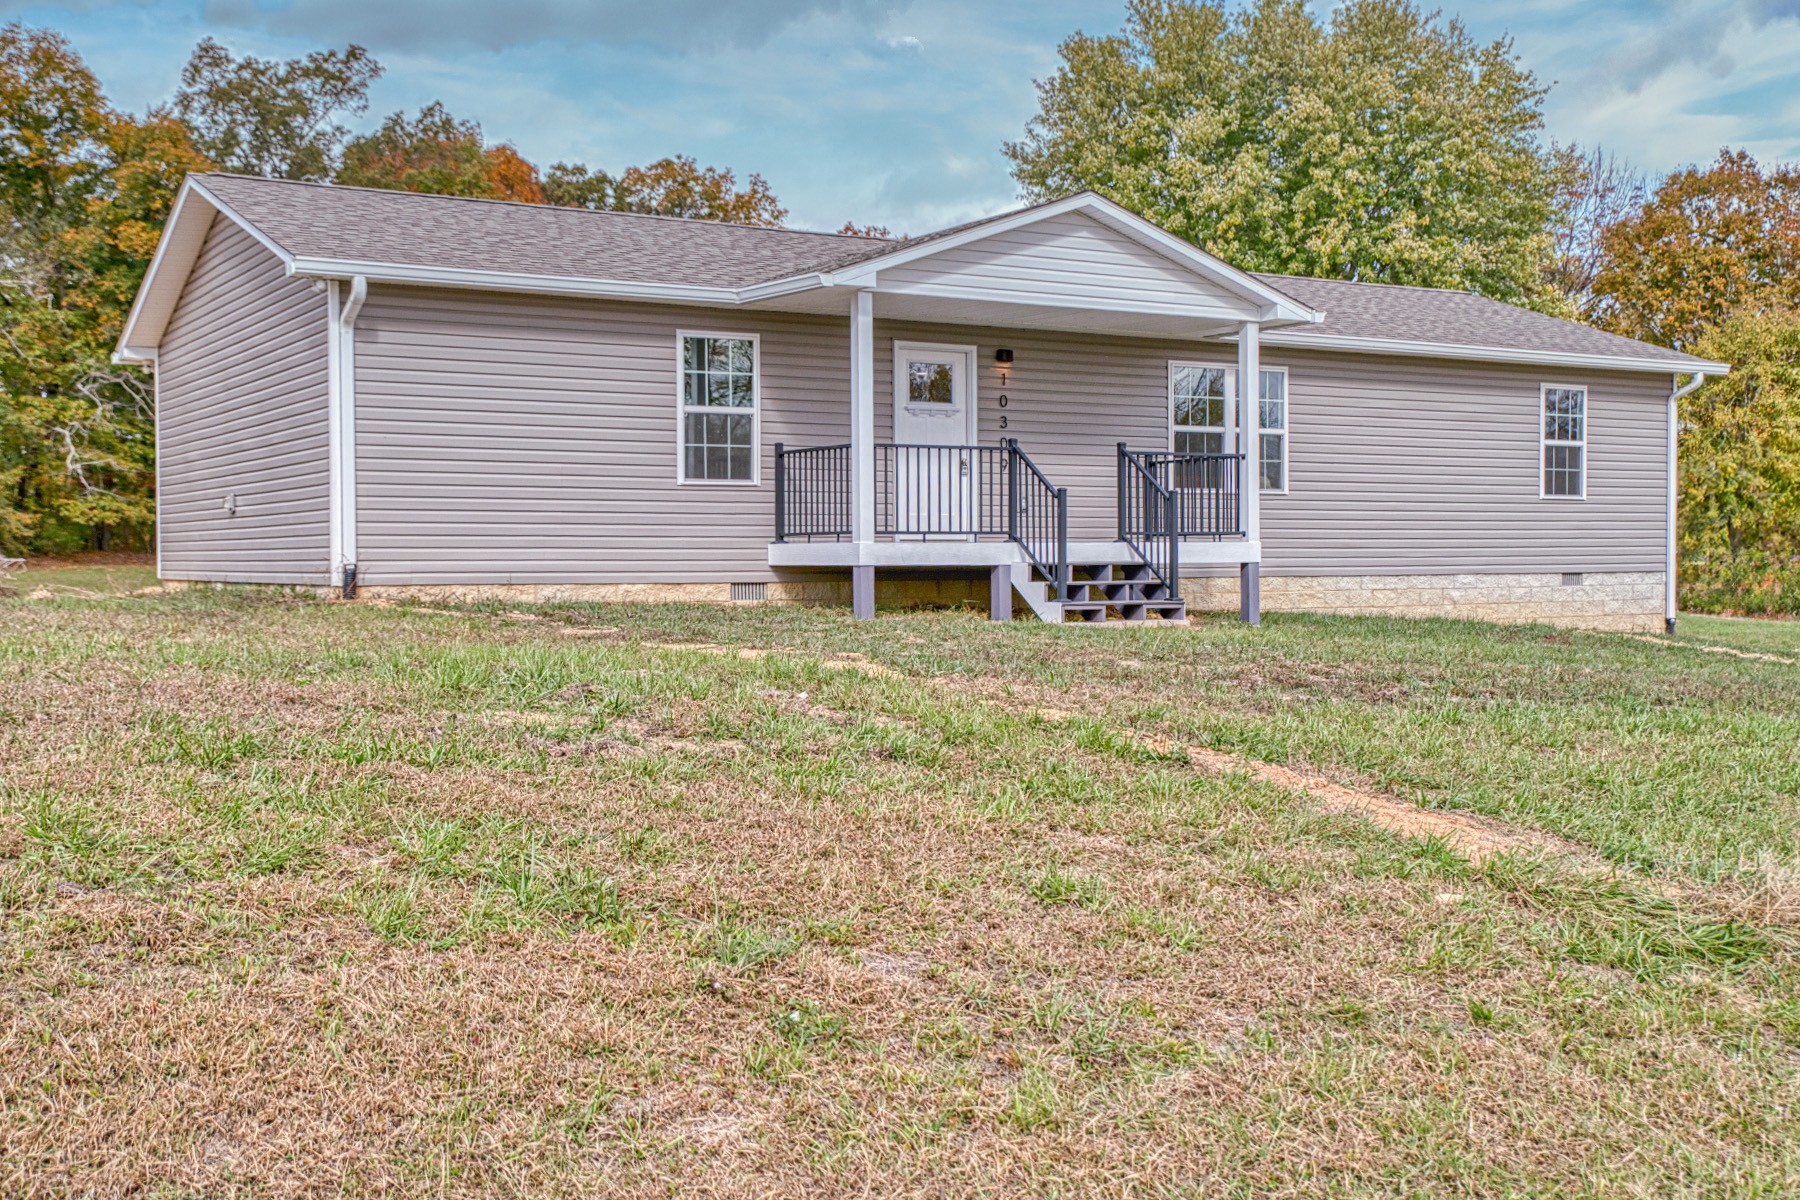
column 1734, row 652
column 1474, row 838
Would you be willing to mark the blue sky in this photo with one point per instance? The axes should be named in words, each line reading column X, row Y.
column 893, row 111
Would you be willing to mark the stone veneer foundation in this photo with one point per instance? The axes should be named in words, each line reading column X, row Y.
column 1618, row 601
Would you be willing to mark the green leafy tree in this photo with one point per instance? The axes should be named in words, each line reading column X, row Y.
column 669, row 187
column 436, row 152
column 1707, row 244
column 280, row 119
column 1385, row 145
column 1740, row 467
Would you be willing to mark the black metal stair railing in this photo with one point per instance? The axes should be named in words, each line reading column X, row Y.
column 1150, row 518
column 1037, row 519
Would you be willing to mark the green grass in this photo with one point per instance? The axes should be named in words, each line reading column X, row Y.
column 1769, row 635
column 307, row 898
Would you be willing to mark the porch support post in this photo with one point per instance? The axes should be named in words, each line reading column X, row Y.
column 862, row 417
column 1000, row 593
column 862, row 592
column 1249, row 378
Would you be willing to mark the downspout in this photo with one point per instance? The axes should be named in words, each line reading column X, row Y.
column 1669, row 564
column 344, row 429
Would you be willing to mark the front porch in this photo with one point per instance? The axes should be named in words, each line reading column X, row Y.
column 991, row 507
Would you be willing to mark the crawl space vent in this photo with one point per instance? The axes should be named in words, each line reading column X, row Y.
column 749, row 591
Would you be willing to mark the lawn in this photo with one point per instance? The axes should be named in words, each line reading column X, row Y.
column 306, row 898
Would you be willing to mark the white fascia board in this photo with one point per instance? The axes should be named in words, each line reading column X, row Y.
column 1494, row 354
column 1275, row 305
column 176, row 252
column 549, row 285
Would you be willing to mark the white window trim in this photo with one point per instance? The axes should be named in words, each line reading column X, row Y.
column 1287, row 432
column 681, row 409
column 1544, row 439
column 1252, row 456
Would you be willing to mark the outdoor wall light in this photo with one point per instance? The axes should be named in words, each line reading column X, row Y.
column 1003, row 358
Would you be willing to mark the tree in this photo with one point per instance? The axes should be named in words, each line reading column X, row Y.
column 1385, row 146
column 274, row 118
column 1594, row 191
column 1740, row 466
column 852, row 229
column 83, row 192
column 1709, row 242
column 669, row 187
column 435, row 152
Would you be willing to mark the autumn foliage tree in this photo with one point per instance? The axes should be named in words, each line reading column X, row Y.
column 84, row 191
column 1709, row 243
column 438, row 153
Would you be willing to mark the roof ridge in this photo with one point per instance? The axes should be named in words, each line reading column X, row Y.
column 546, row 207
column 1378, row 283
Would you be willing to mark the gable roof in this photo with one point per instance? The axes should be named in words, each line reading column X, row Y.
column 324, row 230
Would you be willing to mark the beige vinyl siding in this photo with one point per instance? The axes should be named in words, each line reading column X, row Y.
column 243, row 411
column 533, row 440
column 1397, row 465
column 1405, row 465
column 1070, row 400
column 1070, row 261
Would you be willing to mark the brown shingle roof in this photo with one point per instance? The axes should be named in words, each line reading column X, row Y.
column 1448, row 318
column 315, row 220
column 311, row 220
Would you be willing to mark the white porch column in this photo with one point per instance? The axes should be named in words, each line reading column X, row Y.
column 862, row 445
column 1249, row 442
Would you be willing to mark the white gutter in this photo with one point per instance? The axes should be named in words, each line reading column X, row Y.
column 1497, row 354
column 1670, row 562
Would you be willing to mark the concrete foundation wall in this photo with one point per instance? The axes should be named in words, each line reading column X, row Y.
column 1619, row 601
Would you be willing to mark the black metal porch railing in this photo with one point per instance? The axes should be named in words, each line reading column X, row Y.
column 1206, row 489
column 812, row 493
column 929, row 492
column 941, row 491
column 1150, row 517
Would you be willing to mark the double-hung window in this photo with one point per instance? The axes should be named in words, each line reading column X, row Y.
column 1199, row 399
column 720, row 409
column 1564, row 441
column 1272, row 436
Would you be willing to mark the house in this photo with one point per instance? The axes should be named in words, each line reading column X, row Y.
column 383, row 392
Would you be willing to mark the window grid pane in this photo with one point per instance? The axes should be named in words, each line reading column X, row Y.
column 718, row 396
column 1565, row 432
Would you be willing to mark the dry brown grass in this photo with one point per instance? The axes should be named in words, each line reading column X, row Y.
column 311, row 900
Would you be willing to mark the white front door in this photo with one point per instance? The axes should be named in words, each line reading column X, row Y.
column 934, row 471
